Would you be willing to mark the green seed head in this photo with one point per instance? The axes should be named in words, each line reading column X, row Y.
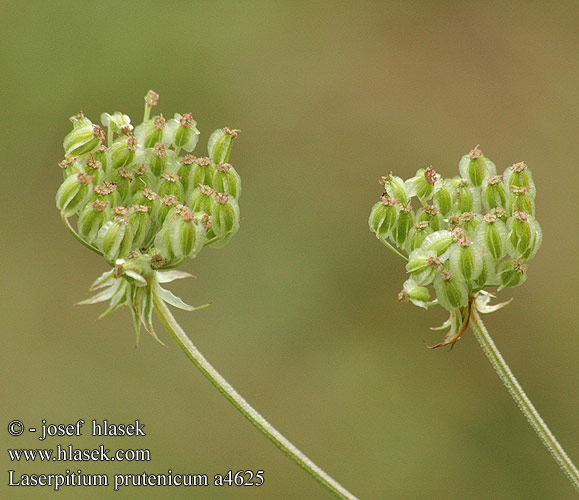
column 418, row 295
column 84, row 138
column 451, row 292
column 187, row 174
column 224, row 219
column 520, row 199
column 152, row 132
column 480, row 231
column 383, row 216
column 475, row 168
column 220, row 143
column 418, row 232
column 395, row 188
column 202, row 199
column 72, row 194
column 140, row 224
column 92, row 218
column 182, row 130
column 116, row 122
column 524, row 235
column 114, row 240
column 512, row 272
column 226, row 180
column 494, row 193
column 468, row 197
column 439, row 242
column 491, row 235
column 445, row 198
column 123, row 152
column 170, row 184
column 520, row 175
column 423, row 265
column 404, row 222
column 465, row 259
column 182, row 235
column 424, row 184
column 432, row 215
column 144, row 203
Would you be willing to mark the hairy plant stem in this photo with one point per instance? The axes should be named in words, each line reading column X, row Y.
column 242, row 405
column 523, row 402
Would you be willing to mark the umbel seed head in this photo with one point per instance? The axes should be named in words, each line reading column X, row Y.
column 141, row 197
column 478, row 231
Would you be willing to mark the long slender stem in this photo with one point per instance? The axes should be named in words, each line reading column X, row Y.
column 523, row 402
column 77, row 236
column 242, row 405
column 396, row 252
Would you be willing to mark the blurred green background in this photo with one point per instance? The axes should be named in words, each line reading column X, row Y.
column 330, row 96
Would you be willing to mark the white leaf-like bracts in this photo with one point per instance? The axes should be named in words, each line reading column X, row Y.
column 125, row 285
column 482, row 303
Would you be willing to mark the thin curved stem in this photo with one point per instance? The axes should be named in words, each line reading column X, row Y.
column 390, row 247
column 77, row 236
column 242, row 405
column 523, row 402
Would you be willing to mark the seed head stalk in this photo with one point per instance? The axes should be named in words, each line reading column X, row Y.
column 523, row 402
column 145, row 209
column 211, row 374
column 480, row 231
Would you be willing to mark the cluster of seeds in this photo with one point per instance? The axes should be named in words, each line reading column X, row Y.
column 145, row 203
column 139, row 191
column 468, row 232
